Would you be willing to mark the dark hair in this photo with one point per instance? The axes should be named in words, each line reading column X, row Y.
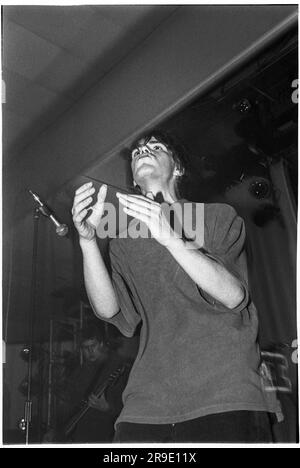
column 179, row 153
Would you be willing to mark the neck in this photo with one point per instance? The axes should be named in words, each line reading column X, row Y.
column 168, row 191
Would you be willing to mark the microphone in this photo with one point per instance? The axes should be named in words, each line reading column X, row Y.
column 61, row 229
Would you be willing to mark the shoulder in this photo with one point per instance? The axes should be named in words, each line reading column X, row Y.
column 214, row 215
column 219, row 210
column 222, row 223
column 213, row 209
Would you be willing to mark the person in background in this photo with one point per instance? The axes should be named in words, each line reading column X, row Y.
column 97, row 424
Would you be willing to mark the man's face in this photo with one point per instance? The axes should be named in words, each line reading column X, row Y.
column 151, row 159
column 92, row 350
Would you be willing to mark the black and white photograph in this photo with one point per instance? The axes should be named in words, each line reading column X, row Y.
column 149, row 226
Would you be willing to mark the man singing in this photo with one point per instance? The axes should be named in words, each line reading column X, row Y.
column 196, row 376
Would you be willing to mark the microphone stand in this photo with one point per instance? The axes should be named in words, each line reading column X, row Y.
column 32, row 315
column 39, row 209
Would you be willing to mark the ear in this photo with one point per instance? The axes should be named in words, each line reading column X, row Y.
column 178, row 172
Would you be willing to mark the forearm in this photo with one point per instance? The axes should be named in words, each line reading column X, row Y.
column 208, row 274
column 98, row 283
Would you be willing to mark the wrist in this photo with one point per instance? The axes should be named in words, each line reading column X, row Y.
column 87, row 243
column 175, row 243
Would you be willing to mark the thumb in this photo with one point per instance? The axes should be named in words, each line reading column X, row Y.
column 102, row 193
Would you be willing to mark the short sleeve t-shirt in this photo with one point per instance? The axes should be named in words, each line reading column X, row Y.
column 196, row 356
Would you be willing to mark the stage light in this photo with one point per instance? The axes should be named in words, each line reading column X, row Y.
column 243, row 106
column 260, row 189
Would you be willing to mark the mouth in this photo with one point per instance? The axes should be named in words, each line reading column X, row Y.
column 144, row 156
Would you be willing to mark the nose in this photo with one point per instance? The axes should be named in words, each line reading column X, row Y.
column 144, row 149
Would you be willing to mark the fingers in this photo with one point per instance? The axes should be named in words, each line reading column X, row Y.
column 77, row 219
column 91, row 401
column 79, row 210
column 83, row 188
column 83, row 197
column 140, row 207
column 93, row 398
column 139, row 201
column 135, row 207
column 149, row 198
column 82, row 193
column 136, row 214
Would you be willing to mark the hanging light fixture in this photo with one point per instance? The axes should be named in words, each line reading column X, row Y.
column 260, row 189
column 243, row 106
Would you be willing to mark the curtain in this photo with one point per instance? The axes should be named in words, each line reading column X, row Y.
column 271, row 245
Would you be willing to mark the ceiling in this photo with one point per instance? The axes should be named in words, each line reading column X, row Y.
column 53, row 54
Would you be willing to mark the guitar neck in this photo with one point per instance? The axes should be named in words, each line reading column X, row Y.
column 98, row 392
column 75, row 419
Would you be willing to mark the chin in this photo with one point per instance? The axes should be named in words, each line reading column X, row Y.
column 143, row 182
column 145, row 174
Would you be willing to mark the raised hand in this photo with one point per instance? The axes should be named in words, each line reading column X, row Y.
column 149, row 212
column 83, row 198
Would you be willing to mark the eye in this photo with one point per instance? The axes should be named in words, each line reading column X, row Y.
column 159, row 146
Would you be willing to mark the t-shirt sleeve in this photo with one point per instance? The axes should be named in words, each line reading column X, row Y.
column 127, row 319
column 225, row 244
